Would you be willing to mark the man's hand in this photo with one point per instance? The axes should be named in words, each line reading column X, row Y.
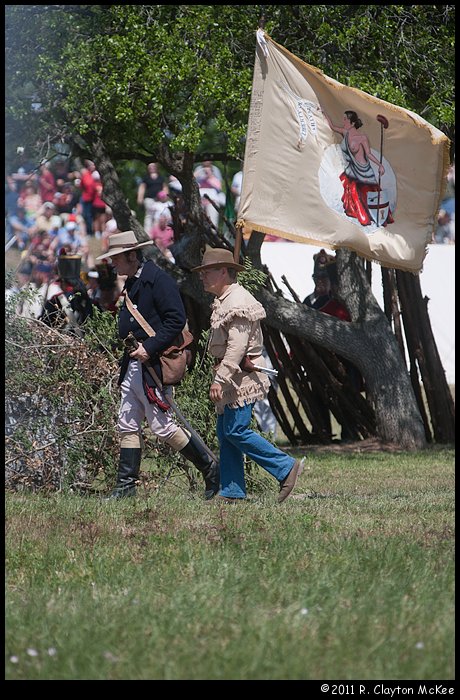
column 140, row 353
column 215, row 392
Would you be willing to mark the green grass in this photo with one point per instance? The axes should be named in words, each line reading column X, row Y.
column 352, row 578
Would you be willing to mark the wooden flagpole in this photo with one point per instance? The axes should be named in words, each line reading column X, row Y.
column 239, row 228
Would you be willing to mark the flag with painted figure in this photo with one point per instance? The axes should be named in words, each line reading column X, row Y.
column 330, row 165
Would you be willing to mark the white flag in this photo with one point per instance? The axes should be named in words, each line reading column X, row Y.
column 330, row 165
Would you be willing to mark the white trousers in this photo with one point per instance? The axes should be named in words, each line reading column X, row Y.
column 134, row 407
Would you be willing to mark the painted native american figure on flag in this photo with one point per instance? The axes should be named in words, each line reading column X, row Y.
column 360, row 182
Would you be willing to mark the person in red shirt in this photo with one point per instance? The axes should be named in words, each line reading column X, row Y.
column 88, row 192
column 46, row 182
column 99, row 207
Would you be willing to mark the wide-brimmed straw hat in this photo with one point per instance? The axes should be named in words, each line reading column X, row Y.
column 217, row 257
column 122, row 243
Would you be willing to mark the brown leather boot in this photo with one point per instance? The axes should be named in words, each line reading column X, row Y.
column 289, row 482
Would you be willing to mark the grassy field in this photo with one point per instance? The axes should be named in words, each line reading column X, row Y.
column 352, row 578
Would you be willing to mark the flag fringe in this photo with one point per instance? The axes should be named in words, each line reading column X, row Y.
column 248, row 227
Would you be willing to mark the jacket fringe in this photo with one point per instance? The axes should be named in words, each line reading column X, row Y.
column 255, row 312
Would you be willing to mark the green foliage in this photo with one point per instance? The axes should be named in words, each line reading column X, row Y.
column 192, row 396
column 101, row 332
column 251, row 278
column 144, row 75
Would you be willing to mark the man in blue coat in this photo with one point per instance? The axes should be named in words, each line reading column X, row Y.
column 156, row 297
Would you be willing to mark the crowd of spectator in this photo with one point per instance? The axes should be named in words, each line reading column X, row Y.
column 54, row 208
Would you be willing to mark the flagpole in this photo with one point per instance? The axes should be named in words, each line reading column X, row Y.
column 239, row 225
column 383, row 125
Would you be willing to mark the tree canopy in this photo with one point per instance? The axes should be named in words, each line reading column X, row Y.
column 141, row 76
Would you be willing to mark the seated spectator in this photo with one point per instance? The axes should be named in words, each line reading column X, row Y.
column 56, row 225
column 161, row 206
column 43, row 221
column 174, row 185
column 40, row 249
column 30, row 200
column 65, row 198
column 23, row 284
column 11, row 196
column 22, row 227
column 71, row 240
column 205, row 168
column 42, row 281
column 102, row 287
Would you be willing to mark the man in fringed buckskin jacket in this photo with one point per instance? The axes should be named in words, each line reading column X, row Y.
column 236, row 334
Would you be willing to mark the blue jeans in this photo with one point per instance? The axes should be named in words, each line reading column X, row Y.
column 237, row 439
column 87, row 214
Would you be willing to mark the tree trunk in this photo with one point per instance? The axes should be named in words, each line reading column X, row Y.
column 372, row 347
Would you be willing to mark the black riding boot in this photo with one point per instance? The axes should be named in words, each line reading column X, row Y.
column 128, row 471
column 197, row 455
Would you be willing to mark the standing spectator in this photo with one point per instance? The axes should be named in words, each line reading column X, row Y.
column 88, row 192
column 99, row 207
column 210, row 186
column 162, row 234
column 236, row 334
column 235, row 188
column 151, row 185
column 46, row 182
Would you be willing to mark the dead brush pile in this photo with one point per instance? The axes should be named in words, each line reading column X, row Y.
column 61, row 404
